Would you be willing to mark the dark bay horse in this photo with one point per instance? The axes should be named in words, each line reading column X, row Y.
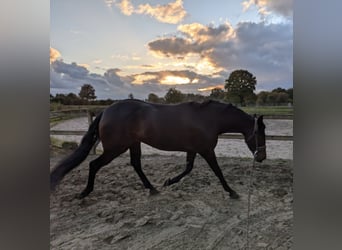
column 190, row 127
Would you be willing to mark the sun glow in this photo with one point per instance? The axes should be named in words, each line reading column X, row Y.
column 171, row 80
column 140, row 79
column 211, row 88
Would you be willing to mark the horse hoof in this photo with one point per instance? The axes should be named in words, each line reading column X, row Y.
column 81, row 196
column 154, row 192
column 167, row 183
column 234, row 195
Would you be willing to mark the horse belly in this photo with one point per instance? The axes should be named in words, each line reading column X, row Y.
column 177, row 141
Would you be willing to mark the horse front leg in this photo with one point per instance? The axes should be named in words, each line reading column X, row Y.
column 135, row 153
column 210, row 157
column 190, row 158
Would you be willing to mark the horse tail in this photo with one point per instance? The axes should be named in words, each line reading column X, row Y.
column 78, row 156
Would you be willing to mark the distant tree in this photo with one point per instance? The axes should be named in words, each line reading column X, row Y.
column 290, row 93
column 87, row 92
column 250, row 99
column 154, row 98
column 282, row 98
column 174, row 96
column 241, row 84
column 262, row 98
column 59, row 98
column 279, row 90
column 217, row 94
column 232, row 99
column 190, row 97
column 272, row 98
column 72, row 99
column 131, row 96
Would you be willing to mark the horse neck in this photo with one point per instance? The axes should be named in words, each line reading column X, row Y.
column 236, row 121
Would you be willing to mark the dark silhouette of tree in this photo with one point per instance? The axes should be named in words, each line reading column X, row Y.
column 190, row 97
column 131, row 96
column 272, row 98
column 174, row 96
column 279, row 90
column 282, row 98
column 72, row 99
column 290, row 93
column 262, row 98
column 87, row 92
column 217, row 94
column 250, row 99
column 240, row 84
column 155, row 99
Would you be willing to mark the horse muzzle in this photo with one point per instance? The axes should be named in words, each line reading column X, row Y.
column 260, row 155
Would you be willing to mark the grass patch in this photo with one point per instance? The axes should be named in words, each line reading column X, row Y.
column 269, row 110
column 56, row 142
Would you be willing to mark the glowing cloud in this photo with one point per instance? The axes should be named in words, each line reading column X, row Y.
column 54, row 54
column 85, row 65
column 199, row 39
column 142, row 78
column 173, row 80
column 211, row 88
column 169, row 13
column 200, row 33
column 169, row 77
column 126, row 7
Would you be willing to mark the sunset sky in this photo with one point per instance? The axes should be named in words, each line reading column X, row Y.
column 141, row 47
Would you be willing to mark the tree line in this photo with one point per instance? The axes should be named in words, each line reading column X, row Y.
column 238, row 89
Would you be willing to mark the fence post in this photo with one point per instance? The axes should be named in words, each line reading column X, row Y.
column 90, row 120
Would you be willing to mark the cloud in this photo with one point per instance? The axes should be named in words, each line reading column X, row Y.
column 173, row 77
column 69, row 77
column 126, row 7
column 172, row 13
column 171, row 46
column 109, row 3
column 263, row 49
column 54, row 54
column 112, row 77
column 208, row 89
column 195, row 38
column 201, row 34
column 73, row 70
column 165, row 77
column 85, row 65
column 265, row 7
column 97, row 61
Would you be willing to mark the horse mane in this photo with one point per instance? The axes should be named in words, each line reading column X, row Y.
column 205, row 104
column 212, row 102
column 225, row 106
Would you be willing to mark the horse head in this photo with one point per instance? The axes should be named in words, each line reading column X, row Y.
column 256, row 140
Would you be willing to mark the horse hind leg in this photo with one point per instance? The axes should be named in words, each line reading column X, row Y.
column 190, row 158
column 95, row 166
column 135, row 153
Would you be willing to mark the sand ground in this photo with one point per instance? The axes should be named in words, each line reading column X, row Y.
column 195, row 213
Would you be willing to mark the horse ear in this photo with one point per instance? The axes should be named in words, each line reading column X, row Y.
column 260, row 118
